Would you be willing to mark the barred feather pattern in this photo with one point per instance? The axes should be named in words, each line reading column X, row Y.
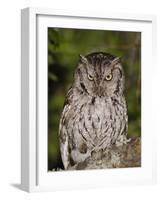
column 94, row 116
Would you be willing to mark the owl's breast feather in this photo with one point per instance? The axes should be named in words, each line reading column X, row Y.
column 93, row 117
column 99, row 120
column 94, row 124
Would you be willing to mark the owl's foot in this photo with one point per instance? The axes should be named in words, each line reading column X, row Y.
column 122, row 140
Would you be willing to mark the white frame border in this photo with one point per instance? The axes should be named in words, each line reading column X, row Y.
column 29, row 86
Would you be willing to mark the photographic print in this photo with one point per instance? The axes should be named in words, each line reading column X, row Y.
column 94, row 99
column 86, row 110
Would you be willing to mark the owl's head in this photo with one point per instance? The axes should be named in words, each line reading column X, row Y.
column 99, row 74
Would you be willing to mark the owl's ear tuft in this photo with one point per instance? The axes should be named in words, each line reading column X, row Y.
column 116, row 61
column 83, row 59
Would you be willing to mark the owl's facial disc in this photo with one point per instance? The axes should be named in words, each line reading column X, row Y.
column 100, row 75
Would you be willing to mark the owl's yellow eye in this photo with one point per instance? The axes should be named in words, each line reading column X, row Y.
column 109, row 77
column 90, row 77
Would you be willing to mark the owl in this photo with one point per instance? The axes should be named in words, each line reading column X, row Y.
column 94, row 116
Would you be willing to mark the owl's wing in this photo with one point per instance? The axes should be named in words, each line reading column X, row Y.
column 63, row 133
column 122, row 138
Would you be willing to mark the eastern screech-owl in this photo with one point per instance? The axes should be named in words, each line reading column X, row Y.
column 95, row 112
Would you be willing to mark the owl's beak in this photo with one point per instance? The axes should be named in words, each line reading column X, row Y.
column 100, row 91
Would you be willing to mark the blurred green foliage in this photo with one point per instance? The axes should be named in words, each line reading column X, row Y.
column 64, row 47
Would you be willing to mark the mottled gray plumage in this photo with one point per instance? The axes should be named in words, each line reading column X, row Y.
column 95, row 112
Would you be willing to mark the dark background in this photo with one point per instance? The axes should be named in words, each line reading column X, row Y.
column 64, row 47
